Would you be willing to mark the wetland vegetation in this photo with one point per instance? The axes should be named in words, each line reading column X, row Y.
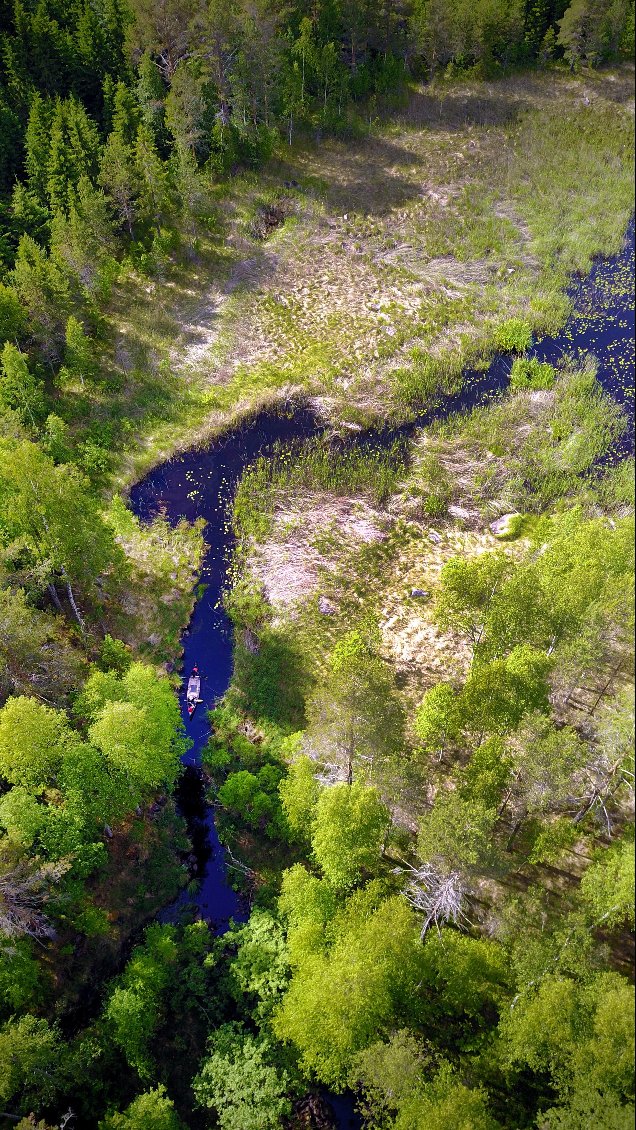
column 316, row 369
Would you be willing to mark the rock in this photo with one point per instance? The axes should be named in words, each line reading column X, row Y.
column 325, row 606
column 458, row 512
column 502, row 527
column 422, row 593
column 435, row 537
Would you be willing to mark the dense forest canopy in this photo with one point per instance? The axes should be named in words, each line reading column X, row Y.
column 422, row 770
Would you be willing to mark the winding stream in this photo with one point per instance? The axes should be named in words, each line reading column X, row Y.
column 200, row 484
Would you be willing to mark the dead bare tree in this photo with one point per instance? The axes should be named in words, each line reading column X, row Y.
column 438, row 896
column 23, row 892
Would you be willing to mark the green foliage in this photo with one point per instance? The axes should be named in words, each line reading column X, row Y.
column 446, row 1101
column 471, row 975
column 387, row 1074
column 253, row 798
column 19, row 389
column 469, row 586
column 513, row 336
column 238, row 1082
column 542, row 460
column 44, row 292
column 79, row 355
column 486, row 774
column 31, row 1063
column 11, row 316
column 457, row 833
column 134, row 1009
column 167, row 983
column 299, row 793
column 497, row 694
column 153, row 1108
column 591, row 31
column 338, row 1001
column 21, row 816
column 438, row 719
column 356, row 720
column 308, row 903
column 545, row 760
column 21, row 978
column 348, row 832
column 271, row 677
column 260, row 969
column 529, row 373
column 553, row 840
column 580, row 1034
column 587, row 1106
column 32, row 742
column 49, row 508
column 114, row 655
column 135, row 721
column 607, row 887
column 562, row 594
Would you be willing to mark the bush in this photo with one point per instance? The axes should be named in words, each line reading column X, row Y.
column 513, row 336
column 427, row 379
column 253, row 798
column 528, row 372
column 114, row 655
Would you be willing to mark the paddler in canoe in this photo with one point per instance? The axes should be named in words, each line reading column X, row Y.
column 193, row 691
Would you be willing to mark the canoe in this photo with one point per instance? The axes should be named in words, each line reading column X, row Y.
column 193, row 693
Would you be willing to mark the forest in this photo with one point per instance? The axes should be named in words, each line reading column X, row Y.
column 316, row 370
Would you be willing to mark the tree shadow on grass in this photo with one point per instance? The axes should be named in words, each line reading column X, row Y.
column 372, row 175
column 273, row 681
column 459, row 109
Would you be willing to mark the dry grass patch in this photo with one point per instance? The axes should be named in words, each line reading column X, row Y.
column 310, row 534
column 420, row 651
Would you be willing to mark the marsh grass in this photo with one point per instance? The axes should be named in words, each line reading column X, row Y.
column 315, row 467
column 520, row 453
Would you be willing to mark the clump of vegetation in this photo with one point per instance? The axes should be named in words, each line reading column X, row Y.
column 317, row 467
column 513, row 336
column 531, row 373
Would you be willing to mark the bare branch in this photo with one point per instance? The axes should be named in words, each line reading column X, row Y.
column 23, row 893
column 439, row 897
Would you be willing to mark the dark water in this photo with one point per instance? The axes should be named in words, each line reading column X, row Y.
column 200, row 484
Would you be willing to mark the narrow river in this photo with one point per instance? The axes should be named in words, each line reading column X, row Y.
column 201, row 484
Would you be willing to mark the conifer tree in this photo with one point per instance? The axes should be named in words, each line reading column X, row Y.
column 120, row 180
column 37, row 141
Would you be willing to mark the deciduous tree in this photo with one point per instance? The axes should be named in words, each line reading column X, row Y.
column 350, row 825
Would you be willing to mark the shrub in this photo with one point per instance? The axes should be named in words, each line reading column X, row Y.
column 513, row 336
column 528, row 372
